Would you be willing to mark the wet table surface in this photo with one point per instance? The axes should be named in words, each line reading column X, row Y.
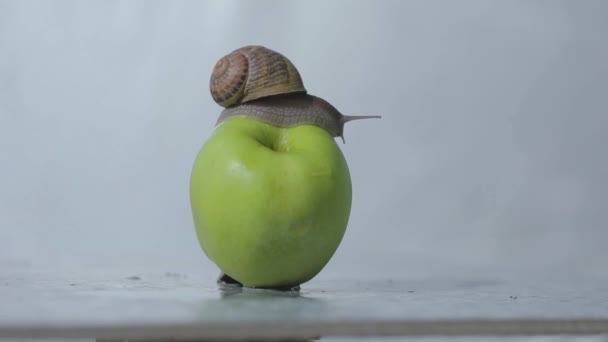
column 85, row 306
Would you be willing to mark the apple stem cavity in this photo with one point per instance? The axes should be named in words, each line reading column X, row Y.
column 346, row 118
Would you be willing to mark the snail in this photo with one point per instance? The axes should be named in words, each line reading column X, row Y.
column 260, row 83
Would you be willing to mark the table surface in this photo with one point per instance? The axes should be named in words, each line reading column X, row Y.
column 44, row 304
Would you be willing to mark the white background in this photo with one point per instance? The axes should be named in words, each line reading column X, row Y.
column 490, row 157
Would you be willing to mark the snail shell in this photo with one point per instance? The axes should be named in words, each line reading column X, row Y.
column 253, row 72
column 260, row 83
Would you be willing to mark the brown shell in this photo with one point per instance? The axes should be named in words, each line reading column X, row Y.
column 253, row 72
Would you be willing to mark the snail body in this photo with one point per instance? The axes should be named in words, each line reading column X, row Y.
column 270, row 189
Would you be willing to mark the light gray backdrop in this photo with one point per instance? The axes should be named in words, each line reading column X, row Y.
column 490, row 157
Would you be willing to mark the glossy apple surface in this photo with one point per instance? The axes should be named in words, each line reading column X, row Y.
column 270, row 204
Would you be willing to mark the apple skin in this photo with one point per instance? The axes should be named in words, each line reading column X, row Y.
column 270, row 204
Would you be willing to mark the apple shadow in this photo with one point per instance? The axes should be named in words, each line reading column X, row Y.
column 229, row 290
column 236, row 304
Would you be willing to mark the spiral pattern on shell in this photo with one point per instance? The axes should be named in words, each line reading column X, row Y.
column 253, row 72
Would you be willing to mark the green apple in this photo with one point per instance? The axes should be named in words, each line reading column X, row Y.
column 270, row 204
